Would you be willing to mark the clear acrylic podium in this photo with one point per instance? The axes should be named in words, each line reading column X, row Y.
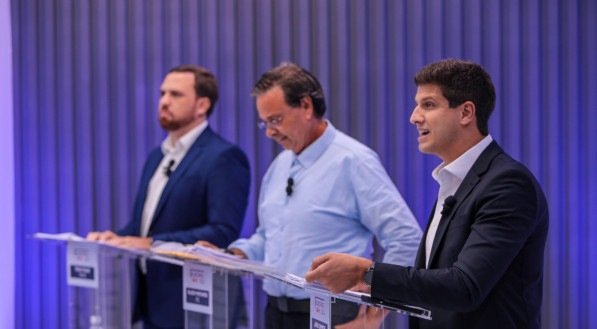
column 99, row 282
column 108, row 304
column 219, row 291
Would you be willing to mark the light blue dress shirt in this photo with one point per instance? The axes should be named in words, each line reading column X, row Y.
column 341, row 196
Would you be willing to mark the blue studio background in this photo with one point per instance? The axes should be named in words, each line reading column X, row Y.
column 86, row 84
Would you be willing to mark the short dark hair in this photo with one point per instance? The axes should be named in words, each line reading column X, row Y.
column 296, row 83
column 206, row 84
column 462, row 81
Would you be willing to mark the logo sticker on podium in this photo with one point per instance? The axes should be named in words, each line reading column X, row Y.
column 320, row 311
column 82, row 265
column 197, row 288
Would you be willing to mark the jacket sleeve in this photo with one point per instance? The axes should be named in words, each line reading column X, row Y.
column 227, row 191
column 504, row 215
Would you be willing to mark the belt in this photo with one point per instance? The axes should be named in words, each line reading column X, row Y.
column 287, row 304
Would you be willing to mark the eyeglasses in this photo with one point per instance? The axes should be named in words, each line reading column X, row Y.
column 272, row 122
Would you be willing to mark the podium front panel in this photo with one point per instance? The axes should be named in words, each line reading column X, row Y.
column 109, row 305
column 232, row 304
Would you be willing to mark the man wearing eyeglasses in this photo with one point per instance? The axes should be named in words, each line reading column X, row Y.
column 325, row 192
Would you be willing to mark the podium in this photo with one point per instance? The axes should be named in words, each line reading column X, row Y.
column 101, row 280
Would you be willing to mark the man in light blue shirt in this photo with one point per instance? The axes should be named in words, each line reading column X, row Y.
column 324, row 192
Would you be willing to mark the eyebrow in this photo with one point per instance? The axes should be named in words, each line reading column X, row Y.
column 426, row 98
column 269, row 117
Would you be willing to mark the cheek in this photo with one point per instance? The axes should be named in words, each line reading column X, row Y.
column 285, row 130
column 439, row 130
column 446, row 131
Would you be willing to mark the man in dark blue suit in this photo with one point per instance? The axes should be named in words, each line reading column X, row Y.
column 194, row 187
column 480, row 263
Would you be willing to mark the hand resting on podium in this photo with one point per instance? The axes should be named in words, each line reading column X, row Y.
column 111, row 238
column 233, row 251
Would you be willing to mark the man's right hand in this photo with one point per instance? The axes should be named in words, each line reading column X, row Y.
column 338, row 272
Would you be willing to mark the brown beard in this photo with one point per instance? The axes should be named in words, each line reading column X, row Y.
column 173, row 125
column 169, row 125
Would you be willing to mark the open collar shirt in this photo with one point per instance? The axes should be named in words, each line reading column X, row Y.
column 172, row 152
column 341, row 196
column 449, row 177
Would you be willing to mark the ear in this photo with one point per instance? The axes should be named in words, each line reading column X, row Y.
column 468, row 113
column 202, row 104
column 307, row 105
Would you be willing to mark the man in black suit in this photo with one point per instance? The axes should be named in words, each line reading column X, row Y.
column 480, row 263
column 194, row 186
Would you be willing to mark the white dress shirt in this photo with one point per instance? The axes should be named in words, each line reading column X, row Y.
column 449, row 178
column 160, row 177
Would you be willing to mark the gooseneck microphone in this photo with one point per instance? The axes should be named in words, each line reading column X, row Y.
column 448, row 205
column 168, row 169
column 289, row 185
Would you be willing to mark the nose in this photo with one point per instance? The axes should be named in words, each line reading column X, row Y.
column 415, row 116
column 270, row 131
column 164, row 100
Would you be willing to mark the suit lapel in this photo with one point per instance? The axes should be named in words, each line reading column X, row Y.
column 152, row 165
column 177, row 175
column 420, row 258
column 471, row 179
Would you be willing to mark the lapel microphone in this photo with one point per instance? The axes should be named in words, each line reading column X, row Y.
column 168, row 169
column 448, row 205
column 289, row 185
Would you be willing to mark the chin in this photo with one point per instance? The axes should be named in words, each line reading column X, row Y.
column 425, row 149
column 284, row 143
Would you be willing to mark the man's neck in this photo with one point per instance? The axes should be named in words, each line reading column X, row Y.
column 465, row 144
column 316, row 131
column 319, row 129
column 175, row 136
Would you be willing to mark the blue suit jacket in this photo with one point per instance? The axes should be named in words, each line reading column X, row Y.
column 205, row 199
column 486, row 263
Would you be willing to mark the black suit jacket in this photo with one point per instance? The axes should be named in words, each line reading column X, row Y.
column 486, row 263
column 205, row 198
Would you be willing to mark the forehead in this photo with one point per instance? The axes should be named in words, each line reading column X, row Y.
column 271, row 103
column 178, row 80
column 429, row 91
